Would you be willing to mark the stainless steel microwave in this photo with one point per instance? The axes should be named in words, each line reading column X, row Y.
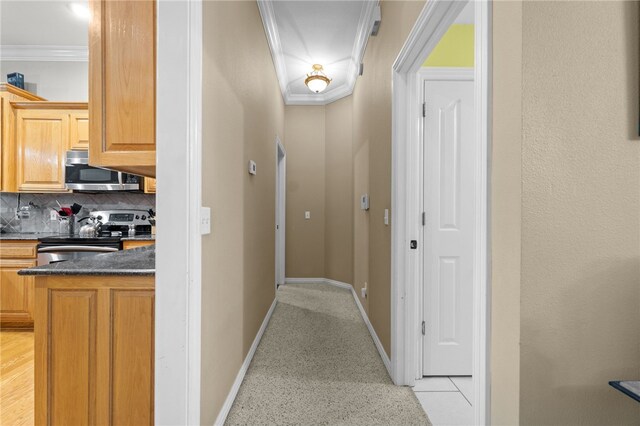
column 80, row 176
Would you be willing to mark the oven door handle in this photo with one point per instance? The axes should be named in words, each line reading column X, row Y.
column 77, row 248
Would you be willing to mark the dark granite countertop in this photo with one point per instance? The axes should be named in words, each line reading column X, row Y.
column 31, row 236
column 141, row 237
column 137, row 261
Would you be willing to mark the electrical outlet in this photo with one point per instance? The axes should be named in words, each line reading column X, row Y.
column 363, row 291
column 53, row 215
column 205, row 220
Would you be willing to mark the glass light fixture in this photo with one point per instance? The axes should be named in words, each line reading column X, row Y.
column 317, row 80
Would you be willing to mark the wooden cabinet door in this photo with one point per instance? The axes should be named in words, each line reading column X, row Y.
column 149, row 185
column 94, row 350
column 122, row 85
column 16, row 294
column 132, row 356
column 42, row 137
column 79, row 130
column 9, row 93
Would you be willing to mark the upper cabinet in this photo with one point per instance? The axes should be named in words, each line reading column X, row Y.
column 122, row 85
column 9, row 93
column 44, row 132
column 79, row 130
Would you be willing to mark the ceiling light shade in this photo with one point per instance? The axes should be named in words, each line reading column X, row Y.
column 81, row 10
column 317, row 80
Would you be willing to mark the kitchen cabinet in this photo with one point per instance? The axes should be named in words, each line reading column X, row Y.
column 44, row 132
column 129, row 244
column 94, row 350
column 9, row 93
column 149, row 186
column 122, row 86
column 16, row 292
column 79, row 130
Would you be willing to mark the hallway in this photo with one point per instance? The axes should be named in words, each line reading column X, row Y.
column 317, row 364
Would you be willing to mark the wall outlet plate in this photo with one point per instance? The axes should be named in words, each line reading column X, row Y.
column 53, row 215
column 205, row 220
column 364, row 202
column 253, row 169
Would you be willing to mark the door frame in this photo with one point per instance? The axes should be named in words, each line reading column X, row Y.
column 179, row 199
column 281, row 204
column 434, row 20
column 431, row 74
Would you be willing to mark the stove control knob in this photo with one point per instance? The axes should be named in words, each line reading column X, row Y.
column 99, row 217
column 137, row 217
column 144, row 217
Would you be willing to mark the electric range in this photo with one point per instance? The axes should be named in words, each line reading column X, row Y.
column 115, row 226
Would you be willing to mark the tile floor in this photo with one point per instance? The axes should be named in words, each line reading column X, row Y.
column 446, row 400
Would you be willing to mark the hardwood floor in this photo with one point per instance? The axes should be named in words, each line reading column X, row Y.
column 16, row 378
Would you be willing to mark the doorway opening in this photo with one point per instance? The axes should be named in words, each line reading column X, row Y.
column 440, row 305
column 281, row 190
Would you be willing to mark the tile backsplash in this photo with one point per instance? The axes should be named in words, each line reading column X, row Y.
column 10, row 202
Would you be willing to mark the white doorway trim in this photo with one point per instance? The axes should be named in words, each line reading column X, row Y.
column 178, row 201
column 281, row 194
column 406, row 275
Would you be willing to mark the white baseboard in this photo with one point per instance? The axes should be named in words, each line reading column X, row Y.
column 385, row 358
column 304, row 280
column 226, row 407
column 376, row 340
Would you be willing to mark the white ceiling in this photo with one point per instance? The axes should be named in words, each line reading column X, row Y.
column 305, row 32
column 41, row 23
column 42, row 31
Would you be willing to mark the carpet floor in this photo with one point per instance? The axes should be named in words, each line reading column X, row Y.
column 317, row 365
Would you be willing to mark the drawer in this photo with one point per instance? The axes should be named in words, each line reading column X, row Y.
column 18, row 249
column 16, row 264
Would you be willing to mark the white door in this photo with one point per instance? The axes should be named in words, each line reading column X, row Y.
column 281, row 164
column 449, row 200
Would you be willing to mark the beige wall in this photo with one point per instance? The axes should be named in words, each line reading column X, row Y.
column 241, row 118
column 580, row 324
column 339, row 195
column 372, row 133
column 506, row 212
column 318, row 141
column 304, row 141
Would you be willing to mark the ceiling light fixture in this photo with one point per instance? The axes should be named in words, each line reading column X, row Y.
column 81, row 10
column 317, row 80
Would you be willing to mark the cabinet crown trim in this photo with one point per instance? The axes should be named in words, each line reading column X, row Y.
column 6, row 87
column 50, row 105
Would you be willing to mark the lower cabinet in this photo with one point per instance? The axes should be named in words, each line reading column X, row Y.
column 16, row 291
column 129, row 244
column 94, row 350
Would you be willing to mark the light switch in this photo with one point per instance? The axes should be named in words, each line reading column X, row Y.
column 253, row 169
column 205, row 220
column 307, row 215
column 386, row 217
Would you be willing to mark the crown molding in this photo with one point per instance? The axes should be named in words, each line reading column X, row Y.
column 273, row 38
column 44, row 53
column 365, row 24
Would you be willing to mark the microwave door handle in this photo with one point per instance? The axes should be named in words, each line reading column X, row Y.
column 120, row 179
